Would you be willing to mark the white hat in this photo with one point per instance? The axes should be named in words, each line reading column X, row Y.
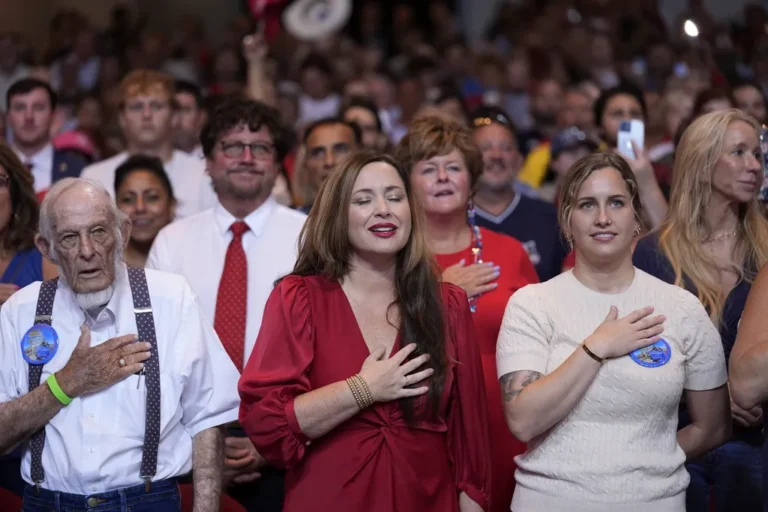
column 315, row 19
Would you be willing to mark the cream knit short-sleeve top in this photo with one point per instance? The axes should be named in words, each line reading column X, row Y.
column 617, row 450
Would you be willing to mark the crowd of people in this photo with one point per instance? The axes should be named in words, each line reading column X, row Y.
column 386, row 270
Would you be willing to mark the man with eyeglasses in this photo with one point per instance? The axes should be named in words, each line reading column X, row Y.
column 232, row 254
column 148, row 117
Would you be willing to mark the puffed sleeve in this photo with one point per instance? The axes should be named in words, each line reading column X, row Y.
column 525, row 333
column 276, row 374
column 467, row 419
column 704, row 357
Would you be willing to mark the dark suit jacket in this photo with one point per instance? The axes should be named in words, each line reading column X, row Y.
column 66, row 164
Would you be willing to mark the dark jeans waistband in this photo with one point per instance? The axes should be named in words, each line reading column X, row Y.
column 111, row 500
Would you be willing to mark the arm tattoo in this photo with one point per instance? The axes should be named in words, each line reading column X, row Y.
column 207, row 468
column 512, row 384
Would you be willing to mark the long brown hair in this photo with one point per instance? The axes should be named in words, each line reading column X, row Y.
column 24, row 206
column 325, row 250
column 685, row 228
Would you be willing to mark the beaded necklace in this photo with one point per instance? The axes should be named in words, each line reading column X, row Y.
column 477, row 247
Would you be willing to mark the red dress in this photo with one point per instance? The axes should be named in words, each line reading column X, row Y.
column 375, row 461
column 516, row 271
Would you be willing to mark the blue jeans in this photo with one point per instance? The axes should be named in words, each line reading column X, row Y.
column 733, row 473
column 162, row 497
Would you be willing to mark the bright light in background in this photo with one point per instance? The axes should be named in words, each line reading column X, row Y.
column 690, row 29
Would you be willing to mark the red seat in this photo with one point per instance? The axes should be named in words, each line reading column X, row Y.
column 227, row 503
column 10, row 501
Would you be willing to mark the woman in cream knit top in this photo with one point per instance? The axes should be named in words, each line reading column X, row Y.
column 593, row 365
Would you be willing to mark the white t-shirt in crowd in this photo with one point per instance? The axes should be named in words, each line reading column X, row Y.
column 196, row 248
column 42, row 167
column 617, row 451
column 187, row 174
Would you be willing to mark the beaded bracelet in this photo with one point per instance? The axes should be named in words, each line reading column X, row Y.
column 360, row 391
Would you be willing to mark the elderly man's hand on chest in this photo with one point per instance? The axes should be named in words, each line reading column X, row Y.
column 91, row 369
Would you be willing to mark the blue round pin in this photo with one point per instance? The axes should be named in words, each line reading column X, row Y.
column 653, row 356
column 39, row 344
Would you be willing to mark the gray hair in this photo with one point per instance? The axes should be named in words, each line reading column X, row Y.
column 48, row 212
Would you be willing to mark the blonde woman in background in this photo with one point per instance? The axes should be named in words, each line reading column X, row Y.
column 712, row 243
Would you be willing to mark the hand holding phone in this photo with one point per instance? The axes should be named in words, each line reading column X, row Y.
column 629, row 131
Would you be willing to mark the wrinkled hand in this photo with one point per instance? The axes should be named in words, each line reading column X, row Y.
column 255, row 47
column 475, row 279
column 641, row 165
column 744, row 417
column 617, row 337
column 6, row 290
column 91, row 369
column 388, row 379
column 241, row 461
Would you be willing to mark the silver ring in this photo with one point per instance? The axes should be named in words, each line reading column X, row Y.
column 121, row 362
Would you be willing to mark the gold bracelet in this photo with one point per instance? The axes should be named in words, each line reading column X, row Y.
column 355, row 392
column 591, row 354
column 367, row 396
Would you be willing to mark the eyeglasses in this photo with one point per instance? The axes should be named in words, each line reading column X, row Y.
column 259, row 150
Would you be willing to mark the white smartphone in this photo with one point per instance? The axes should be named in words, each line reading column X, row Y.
column 633, row 130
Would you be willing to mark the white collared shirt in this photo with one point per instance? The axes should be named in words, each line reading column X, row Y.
column 187, row 174
column 196, row 248
column 94, row 444
column 42, row 166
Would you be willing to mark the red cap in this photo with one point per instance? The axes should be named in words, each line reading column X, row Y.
column 74, row 140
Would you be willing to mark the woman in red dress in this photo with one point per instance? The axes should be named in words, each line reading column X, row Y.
column 366, row 381
column 444, row 168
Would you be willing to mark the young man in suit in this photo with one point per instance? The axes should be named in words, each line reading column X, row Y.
column 31, row 103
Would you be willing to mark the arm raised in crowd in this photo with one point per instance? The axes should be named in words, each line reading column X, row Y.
column 260, row 87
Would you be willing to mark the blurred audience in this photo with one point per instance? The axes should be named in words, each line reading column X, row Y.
column 487, row 127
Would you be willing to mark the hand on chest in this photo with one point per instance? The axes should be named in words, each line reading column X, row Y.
column 651, row 371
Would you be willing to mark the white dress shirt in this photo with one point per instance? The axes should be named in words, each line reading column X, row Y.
column 94, row 444
column 42, row 166
column 186, row 173
column 196, row 248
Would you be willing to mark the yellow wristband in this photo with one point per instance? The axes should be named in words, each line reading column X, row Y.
column 60, row 395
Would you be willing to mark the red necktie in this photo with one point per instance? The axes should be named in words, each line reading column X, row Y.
column 232, row 299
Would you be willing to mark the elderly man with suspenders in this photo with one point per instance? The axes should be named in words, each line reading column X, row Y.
column 111, row 375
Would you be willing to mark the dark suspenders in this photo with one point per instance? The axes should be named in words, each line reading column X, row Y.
column 145, row 322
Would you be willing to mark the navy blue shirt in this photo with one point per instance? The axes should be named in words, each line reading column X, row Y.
column 533, row 223
column 649, row 258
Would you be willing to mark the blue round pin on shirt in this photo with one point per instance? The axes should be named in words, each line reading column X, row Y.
column 654, row 355
column 39, row 344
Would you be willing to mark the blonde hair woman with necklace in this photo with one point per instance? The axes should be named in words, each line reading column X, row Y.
column 712, row 243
